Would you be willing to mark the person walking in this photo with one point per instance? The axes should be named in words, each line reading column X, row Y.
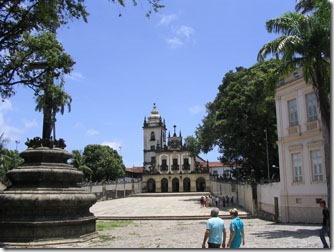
column 227, row 200
column 202, row 201
column 217, row 201
column 237, row 234
column 223, row 199
column 215, row 231
column 325, row 228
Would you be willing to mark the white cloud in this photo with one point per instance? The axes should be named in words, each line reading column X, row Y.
column 174, row 42
column 30, row 123
column 181, row 35
column 195, row 109
column 115, row 145
column 167, row 19
column 185, row 31
column 92, row 132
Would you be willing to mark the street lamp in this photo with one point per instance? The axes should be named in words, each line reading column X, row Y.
column 265, row 131
column 17, row 143
column 276, row 167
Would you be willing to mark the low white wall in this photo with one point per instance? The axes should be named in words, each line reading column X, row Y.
column 266, row 194
column 243, row 195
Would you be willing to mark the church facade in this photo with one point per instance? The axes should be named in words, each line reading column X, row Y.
column 168, row 165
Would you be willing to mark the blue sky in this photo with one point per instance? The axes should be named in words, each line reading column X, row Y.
column 176, row 59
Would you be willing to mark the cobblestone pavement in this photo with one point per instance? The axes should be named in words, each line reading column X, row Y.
column 189, row 234
column 186, row 233
column 178, row 233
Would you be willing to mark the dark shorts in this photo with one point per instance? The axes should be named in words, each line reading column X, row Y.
column 213, row 245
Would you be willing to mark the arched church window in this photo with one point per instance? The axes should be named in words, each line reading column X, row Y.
column 152, row 136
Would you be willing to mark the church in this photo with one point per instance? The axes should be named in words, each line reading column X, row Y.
column 168, row 165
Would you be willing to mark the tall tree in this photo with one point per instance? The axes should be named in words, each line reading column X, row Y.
column 243, row 108
column 58, row 100
column 192, row 145
column 305, row 42
column 104, row 161
column 77, row 161
column 45, row 57
column 9, row 159
column 21, row 16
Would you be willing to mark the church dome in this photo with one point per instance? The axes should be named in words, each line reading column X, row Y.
column 154, row 113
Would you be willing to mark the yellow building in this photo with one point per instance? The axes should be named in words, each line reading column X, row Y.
column 168, row 165
column 301, row 151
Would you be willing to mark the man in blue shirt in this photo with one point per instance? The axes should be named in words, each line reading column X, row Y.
column 237, row 234
column 215, row 231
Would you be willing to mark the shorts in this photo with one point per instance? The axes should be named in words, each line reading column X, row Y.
column 213, row 245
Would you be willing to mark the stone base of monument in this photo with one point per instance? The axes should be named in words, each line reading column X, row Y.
column 44, row 202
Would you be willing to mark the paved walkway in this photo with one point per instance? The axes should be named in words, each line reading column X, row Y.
column 152, row 206
column 156, row 222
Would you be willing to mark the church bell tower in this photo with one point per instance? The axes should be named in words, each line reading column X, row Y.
column 154, row 137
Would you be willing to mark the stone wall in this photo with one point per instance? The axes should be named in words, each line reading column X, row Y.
column 108, row 191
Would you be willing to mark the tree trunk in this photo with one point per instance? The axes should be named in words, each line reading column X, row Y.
column 324, row 105
column 46, row 120
column 327, row 150
column 47, row 111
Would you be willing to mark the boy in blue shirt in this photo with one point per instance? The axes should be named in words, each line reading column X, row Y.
column 237, row 234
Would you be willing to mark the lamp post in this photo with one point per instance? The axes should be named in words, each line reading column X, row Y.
column 17, row 143
column 265, row 131
column 276, row 167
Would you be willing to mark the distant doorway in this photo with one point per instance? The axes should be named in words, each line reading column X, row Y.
column 151, row 185
column 186, row 185
column 200, row 184
column 164, row 185
column 175, row 185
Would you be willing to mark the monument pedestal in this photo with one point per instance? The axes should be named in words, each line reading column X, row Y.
column 44, row 202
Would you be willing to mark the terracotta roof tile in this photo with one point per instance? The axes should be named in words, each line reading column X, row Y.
column 138, row 169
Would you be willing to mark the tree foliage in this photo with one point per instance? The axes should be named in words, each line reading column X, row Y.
column 192, row 145
column 99, row 163
column 9, row 159
column 243, row 108
column 77, row 161
column 45, row 57
column 21, row 17
column 304, row 42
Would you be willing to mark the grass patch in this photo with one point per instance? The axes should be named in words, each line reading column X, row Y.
column 108, row 225
column 106, row 237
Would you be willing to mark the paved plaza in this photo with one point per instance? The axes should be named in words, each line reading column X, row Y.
column 157, row 222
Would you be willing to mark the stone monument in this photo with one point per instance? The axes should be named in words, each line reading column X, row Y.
column 45, row 202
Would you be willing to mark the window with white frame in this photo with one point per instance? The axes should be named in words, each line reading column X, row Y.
column 293, row 117
column 311, row 107
column 297, row 167
column 317, row 173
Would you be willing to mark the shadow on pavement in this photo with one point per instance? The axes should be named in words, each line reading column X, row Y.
column 299, row 233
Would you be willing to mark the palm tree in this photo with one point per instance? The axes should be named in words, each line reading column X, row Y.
column 52, row 101
column 3, row 142
column 78, row 162
column 305, row 43
column 59, row 101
